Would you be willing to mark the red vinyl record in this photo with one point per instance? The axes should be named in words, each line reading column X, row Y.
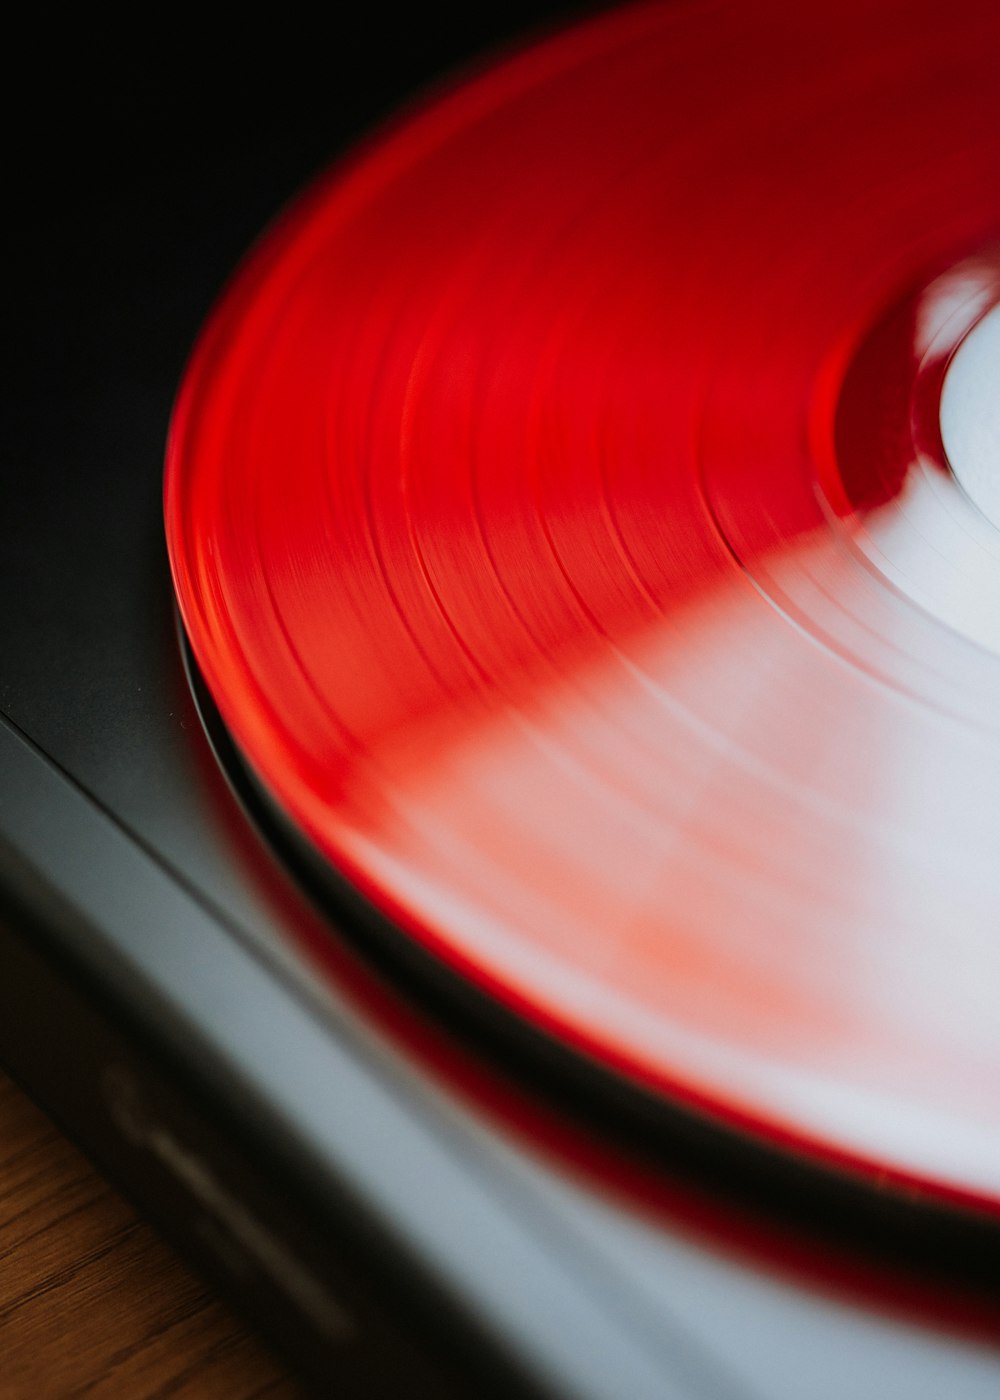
column 581, row 511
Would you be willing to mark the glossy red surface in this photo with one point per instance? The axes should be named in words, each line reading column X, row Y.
column 559, row 514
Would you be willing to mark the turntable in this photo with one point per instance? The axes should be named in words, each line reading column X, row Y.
column 511, row 890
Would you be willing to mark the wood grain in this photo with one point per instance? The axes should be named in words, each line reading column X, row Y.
column 92, row 1302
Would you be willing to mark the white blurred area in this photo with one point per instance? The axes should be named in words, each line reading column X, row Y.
column 755, row 855
column 970, row 416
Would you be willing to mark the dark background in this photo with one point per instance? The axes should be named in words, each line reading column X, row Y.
column 138, row 170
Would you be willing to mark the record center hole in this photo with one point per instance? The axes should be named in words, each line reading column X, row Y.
column 970, row 416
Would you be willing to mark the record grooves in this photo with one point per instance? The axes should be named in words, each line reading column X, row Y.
column 495, row 502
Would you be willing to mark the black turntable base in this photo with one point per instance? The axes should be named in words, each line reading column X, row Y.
column 512, row 894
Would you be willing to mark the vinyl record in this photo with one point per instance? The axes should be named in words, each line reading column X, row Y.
column 580, row 511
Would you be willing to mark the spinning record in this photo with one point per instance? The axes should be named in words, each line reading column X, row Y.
column 580, row 510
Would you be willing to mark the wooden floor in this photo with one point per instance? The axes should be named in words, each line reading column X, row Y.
column 92, row 1303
